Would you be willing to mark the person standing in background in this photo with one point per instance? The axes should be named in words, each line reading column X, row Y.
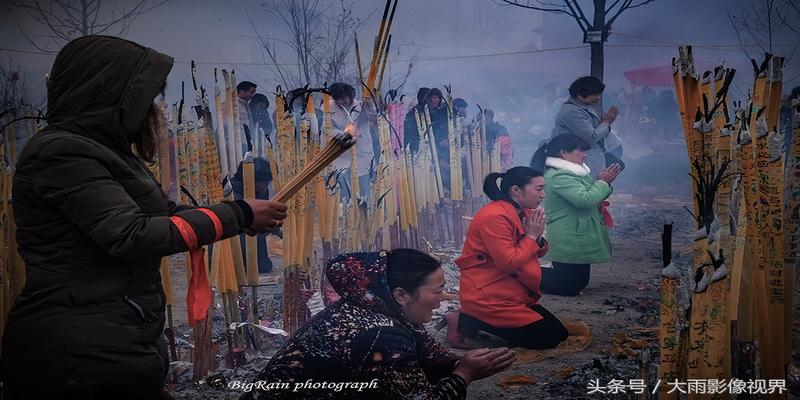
column 261, row 123
column 581, row 116
column 351, row 115
column 245, row 90
column 261, row 126
column 263, row 177
column 410, row 132
column 440, row 135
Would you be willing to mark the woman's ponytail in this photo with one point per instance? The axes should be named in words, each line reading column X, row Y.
column 490, row 186
column 517, row 176
column 538, row 159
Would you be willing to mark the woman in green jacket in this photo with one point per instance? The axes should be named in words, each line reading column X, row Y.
column 576, row 227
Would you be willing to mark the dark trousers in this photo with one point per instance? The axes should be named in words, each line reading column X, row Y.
column 264, row 263
column 546, row 333
column 565, row 279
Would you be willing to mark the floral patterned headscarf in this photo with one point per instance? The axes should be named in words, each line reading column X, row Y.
column 360, row 278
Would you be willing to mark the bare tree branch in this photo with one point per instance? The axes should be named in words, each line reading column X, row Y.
column 533, row 7
column 627, row 5
column 14, row 92
column 794, row 5
column 573, row 9
column 785, row 19
column 578, row 8
column 732, row 19
column 45, row 48
column 95, row 12
column 585, row 26
column 640, row 4
column 125, row 19
column 320, row 41
column 611, row 7
column 275, row 67
column 409, row 69
column 600, row 23
column 760, row 22
column 65, row 20
column 788, row 26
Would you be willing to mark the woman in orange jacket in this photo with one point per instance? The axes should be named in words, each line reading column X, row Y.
column 500, row 272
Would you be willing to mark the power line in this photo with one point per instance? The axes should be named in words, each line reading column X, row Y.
column 435, row 58
column 722, row 47
column 701, row 45
column 440, row 58
column 28, row 52
column 672, row 47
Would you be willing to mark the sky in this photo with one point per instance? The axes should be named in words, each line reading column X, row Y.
column 500, row 57
column 218, row 33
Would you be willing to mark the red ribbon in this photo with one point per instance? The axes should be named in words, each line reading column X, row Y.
column 214, row 220
column 198, row 295
column 606, row 215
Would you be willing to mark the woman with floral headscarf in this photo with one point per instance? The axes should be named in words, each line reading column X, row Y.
column 374, row 336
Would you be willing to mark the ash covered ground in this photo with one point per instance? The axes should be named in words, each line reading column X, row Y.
column 620, row 306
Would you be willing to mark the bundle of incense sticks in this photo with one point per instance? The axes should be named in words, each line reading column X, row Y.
column 338, row 145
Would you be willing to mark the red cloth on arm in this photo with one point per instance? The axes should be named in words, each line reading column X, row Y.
column 198, row 295
column 606, row 215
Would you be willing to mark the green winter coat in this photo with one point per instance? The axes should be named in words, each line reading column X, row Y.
column 576, row 231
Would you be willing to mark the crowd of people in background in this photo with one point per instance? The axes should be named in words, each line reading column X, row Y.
column 501, row 280
column 556, row 208
column 348, row 109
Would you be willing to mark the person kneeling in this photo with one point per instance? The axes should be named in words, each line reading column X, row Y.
column 500, row 272
column 374, row 334
column 578, row 220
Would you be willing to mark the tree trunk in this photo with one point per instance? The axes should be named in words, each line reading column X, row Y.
column 599, row 24
column 597, row 60
column 85, row 29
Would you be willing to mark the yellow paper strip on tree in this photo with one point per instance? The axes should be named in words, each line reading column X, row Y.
column 747, row 311
column 792, row 222
column 698, row 329
column 761, row 280
column 737, row 206
column 182, row 162
column 669, row 336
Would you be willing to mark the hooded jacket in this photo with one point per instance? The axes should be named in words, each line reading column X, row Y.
column 362, row 338
column 92, row 227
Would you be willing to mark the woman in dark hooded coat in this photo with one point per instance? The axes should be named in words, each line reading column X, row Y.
column 92, row 227
column 374, row 335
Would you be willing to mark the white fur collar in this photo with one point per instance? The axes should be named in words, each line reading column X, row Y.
column 560, row 163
